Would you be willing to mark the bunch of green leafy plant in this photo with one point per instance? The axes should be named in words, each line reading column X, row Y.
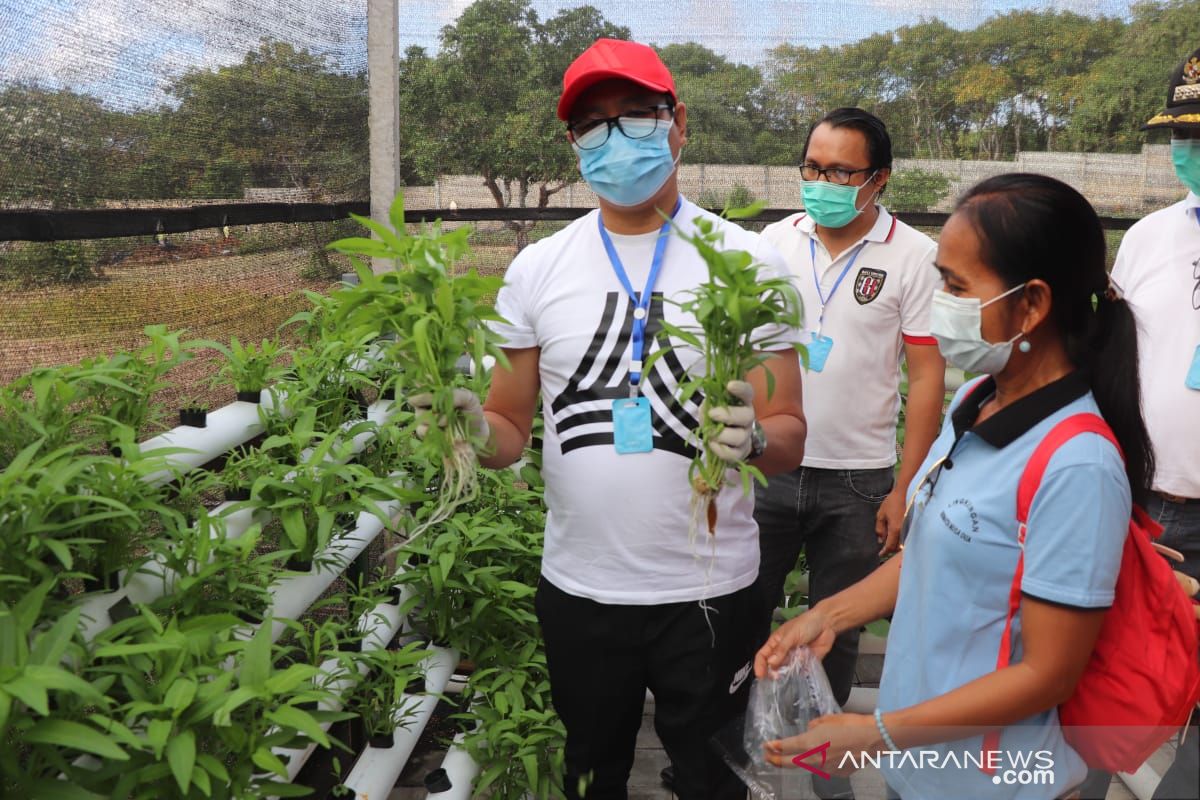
column 67, row 513
column 119, row 388
column 516, row 735
column 381, row 678
column 45, row 515
column 199, row 712
column 730, row 309
column 427, row 319
column 100, row 402
column 327, row 377
column 120, row 540
column 189, row 491
column 248, row 367
column 472, row 581
column 243, row 467
column 207, row 571
column 45, row 705
column 333, row 625
column 45, row 406
column 309, row 497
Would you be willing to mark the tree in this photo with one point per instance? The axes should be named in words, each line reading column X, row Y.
column 1038, row 58
column 924, row 61
column 916, row 189
column 723, row 104
column 486, row 104
column 280, row 118
column 1128, row 87
column 57, row 147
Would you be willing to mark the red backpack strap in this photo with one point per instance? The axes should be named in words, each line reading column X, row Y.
column 1031, row 481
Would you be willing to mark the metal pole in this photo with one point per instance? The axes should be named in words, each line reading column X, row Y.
column 383, row 66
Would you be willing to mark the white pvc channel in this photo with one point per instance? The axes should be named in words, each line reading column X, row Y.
column 226, row 428
column 377, row 769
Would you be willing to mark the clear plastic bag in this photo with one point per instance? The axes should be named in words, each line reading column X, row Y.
column 781, row 704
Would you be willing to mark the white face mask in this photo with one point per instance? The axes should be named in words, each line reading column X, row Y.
column 956, row 323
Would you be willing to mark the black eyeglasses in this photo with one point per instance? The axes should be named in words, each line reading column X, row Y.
column 634, row 123
column 811, row 172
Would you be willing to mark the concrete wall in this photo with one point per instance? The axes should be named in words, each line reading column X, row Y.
column 1117, row 184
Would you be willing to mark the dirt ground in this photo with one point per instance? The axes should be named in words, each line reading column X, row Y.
column 212, row 297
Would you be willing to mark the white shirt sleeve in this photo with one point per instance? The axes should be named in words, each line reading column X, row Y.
column 916, row 297
column 514, row 303
column 1121, row 274
column 774, row 266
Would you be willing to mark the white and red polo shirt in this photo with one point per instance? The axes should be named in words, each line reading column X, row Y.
column 881, row 303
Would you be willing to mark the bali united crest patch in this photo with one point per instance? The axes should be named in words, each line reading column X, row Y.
column 868, row 284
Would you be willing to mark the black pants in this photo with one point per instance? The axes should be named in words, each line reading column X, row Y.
column 830, row 515
column 602, row 658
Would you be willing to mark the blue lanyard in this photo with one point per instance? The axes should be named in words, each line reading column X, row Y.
column 641, row 309
column 812, row 252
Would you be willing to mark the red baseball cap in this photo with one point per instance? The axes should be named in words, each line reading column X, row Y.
column 614, row 58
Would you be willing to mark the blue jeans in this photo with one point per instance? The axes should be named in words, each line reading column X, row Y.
column 830, row 515
column 1181, row 530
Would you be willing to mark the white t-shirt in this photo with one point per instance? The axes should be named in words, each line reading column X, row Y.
column 883, row 301
column 617, row 527
column 1157, row 270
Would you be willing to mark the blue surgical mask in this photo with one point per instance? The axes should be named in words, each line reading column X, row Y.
column 628, row 172
column 1185, row 155
column 831, row 205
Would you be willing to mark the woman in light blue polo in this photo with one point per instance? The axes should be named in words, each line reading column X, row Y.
column 1026, row 301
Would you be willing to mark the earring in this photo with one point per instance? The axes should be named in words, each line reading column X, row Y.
column 1024, row 346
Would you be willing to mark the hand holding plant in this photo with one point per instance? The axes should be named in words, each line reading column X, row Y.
column 427, row 319
column 731, row 310
column 467, row 407
column 734, row 443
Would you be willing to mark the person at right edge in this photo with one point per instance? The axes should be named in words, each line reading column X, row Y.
column 1027, row 303
column 1158, row 270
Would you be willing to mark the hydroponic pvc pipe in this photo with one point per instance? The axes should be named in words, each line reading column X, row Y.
column 377, row 770
column 226, row 428
column 294, row 595
column 460, row 768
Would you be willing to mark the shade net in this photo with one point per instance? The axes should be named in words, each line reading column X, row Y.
column 159, row 104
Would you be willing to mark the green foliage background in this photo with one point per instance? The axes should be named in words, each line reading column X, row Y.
column 484, row 104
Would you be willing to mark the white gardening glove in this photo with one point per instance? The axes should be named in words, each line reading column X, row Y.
column 467, row 402
column 734, row 442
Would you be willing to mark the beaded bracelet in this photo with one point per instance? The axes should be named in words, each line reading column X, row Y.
column 887, row 738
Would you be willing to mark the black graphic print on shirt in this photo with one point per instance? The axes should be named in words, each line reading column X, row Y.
column 581, row 396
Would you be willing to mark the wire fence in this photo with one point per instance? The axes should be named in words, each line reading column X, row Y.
column 188, row 166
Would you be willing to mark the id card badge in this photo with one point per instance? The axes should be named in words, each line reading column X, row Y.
column 818, row 352
column 1193, row 376
column 633, row 431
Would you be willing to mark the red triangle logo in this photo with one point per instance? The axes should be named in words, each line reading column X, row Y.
column 823, row 750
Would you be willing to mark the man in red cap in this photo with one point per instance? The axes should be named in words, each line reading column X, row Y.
column 626, row 604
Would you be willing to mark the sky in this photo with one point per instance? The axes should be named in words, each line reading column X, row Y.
column 127, row 51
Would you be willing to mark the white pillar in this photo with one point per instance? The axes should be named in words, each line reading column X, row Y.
column 383, row 69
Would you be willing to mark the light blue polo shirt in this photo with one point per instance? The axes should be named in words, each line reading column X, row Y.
column 960, row 557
